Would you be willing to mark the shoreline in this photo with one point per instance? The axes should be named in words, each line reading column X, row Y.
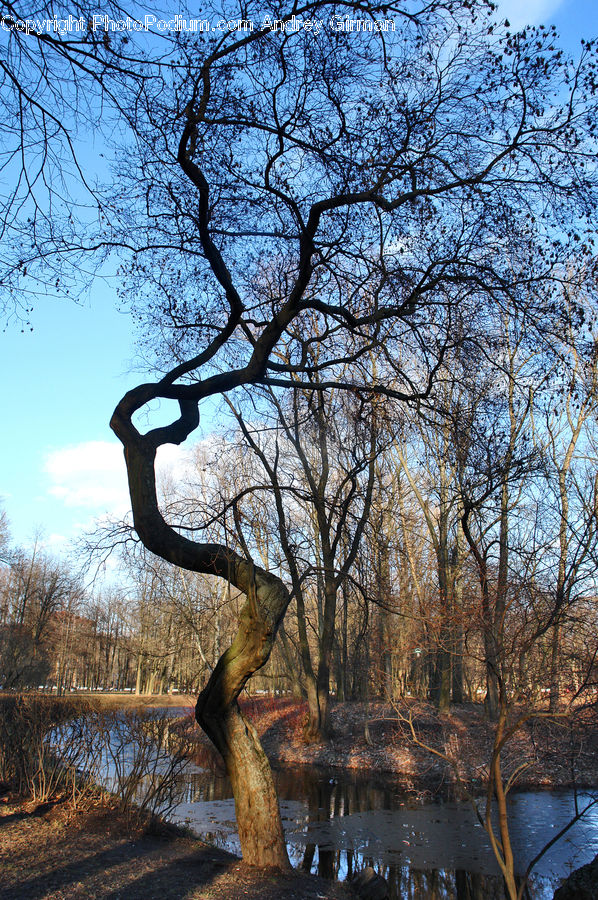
column 52, row 851
column 561, row 753
column 56, row 852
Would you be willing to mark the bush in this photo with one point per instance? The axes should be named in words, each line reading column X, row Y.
column 142, row 761
column 54, row 747
column 43, row 745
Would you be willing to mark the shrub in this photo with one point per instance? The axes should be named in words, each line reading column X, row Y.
column 43, row 745
column 54, row 747
column 142, row 761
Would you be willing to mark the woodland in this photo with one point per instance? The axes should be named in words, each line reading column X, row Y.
column 368, row 263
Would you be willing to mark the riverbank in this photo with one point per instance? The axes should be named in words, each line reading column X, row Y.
column 52, row 852
column 376, row 738
column 559, row 752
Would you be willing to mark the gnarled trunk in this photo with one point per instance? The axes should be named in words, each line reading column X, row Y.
column 256, row 803
column 217, row 711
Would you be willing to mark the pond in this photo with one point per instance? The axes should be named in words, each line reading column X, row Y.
column 425, row 848
column 336, row 822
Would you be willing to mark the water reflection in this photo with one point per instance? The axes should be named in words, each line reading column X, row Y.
column 428, row 849
column 352, row 823
column 425, row 848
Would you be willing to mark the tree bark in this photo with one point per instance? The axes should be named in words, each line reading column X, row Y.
column 256, row 804
column 217, row 711
column 555, row 667
column 491, row 654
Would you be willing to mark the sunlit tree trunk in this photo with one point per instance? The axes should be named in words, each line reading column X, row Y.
column 217, row 711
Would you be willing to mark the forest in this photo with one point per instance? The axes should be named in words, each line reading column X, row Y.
column 361, row 263
column 460, row 547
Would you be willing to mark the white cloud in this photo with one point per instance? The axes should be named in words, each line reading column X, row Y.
column 56, row 542
column 526, row 12
column 174, row 462
column 91, row 476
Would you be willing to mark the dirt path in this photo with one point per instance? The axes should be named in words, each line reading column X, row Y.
column 55, row 854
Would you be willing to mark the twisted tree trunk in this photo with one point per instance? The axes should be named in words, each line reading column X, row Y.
column 217, row 710
column 218, row 713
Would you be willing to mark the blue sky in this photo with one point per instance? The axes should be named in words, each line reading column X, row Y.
column 60, row 466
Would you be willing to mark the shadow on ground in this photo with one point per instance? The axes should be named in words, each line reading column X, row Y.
column 61, row 856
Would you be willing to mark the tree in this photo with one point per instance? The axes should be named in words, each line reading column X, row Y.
column 35, row 590
column 375, row 183
column 4, row 535
column 63, row 71
column 578, row 489
column 440, row 508
column 320, row 468
column 494, row 458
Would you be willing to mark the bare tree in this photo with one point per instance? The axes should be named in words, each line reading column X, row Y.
column 571, row 477
column 440, row 507
column 284, row 152
column 65, row 75
column 320, row 468
column 373, row 181
column 36, row 589
column 4, row 537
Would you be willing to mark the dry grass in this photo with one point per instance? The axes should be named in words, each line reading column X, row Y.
column 113, row 699
column 127, row 700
